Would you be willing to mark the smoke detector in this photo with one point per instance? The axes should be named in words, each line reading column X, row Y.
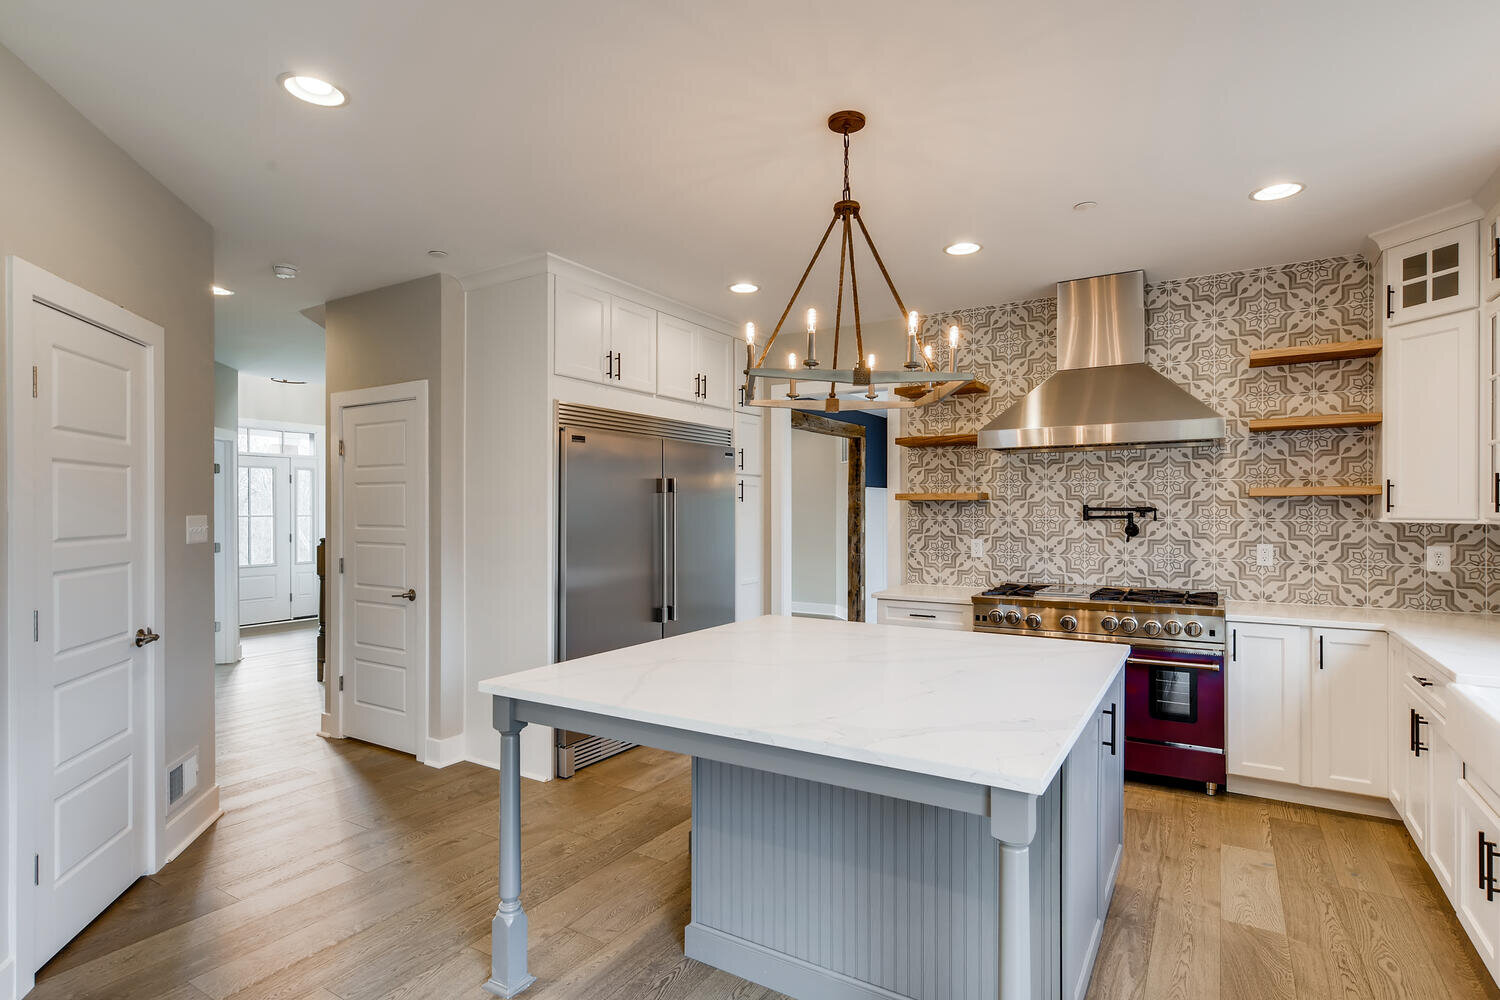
column 284, row 270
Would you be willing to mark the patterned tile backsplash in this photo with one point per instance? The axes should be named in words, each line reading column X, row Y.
column 1200, row 332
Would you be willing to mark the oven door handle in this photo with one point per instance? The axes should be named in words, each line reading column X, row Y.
column 1147, row 661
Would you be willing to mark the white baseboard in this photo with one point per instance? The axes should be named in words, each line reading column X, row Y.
column 444, row 752
column 8, row 987
column 1320, row 798
column 326, row 727
column 190, row 821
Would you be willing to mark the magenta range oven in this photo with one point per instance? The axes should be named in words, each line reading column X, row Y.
column 1174, row 677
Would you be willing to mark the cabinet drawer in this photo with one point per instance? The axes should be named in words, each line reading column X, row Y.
column 955, row 617
column 1422, row 677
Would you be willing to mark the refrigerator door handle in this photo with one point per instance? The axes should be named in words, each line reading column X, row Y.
column 672, row 591
column 664, row 612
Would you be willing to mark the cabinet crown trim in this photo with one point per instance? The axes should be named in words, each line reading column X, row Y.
column 1426, row 225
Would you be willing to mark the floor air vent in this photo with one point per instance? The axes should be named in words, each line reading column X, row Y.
column 587, row 751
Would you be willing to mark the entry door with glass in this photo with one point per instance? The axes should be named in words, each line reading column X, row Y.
column 279, row 507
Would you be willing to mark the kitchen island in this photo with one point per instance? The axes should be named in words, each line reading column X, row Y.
column 878, row 812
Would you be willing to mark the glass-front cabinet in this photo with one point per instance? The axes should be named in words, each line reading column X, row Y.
column 1489, row 407
column 1432, row 276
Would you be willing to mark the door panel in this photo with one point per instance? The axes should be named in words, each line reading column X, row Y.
column 383, row 634
column 611, row 536
column 632, row 336
column 581, row 326
column 676, row 369
column 306, row 504
column 1267, row 673
column 711, row 352
column 87, row 685
column 702, row 548
column 1430, row 435
column 1347, row 711
column 264, row 514
column 747, row 549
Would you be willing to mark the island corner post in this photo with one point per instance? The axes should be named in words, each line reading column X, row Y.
column 1019, row 892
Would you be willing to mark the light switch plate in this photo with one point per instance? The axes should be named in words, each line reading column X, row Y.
column 1265, row 554
column 197, row 529
column 976, row 548
column 1439, row 558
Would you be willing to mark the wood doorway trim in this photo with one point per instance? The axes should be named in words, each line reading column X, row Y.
column 855, row 435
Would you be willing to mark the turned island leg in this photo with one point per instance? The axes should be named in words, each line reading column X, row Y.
column 508, row 975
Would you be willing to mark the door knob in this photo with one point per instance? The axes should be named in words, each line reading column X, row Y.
column 410, row 595
column 144, row 637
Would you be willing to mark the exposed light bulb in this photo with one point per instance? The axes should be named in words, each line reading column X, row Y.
column 750, row 333
column 812, row 320
column 952, row 337
column 911, row 323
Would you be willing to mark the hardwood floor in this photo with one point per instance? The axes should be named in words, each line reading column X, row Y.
column 343, row 871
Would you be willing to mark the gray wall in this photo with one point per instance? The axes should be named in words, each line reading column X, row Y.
column 262, row 399
column 226, row 397
column 405, row 333
column 73, row 203
column 820, row 489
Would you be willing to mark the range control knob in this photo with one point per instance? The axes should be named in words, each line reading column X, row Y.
column 1068, row 623
column 1109, row 623
column 1194, row 630
column 1152, row 627
column 1033, row 621
column 1174, row 627
column 996, row 616
column 1012, row 617
column 1128, row 625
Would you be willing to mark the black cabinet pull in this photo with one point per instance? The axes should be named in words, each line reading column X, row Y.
column 1417, row 722
column 1497, row 493
column 1421, row 681
column 1389, row 295
column 618, row 355
column 1110, row 711
column 742, row 460
column 1390, row 490
column 705, row 387
column 742, row 491
column 1320, row 652
column 609, row 365
column 919, row 614
column 1487, row 854
column 1234, row 645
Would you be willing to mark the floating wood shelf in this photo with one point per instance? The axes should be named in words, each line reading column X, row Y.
column 938, row 441
column 943, row 496
column 974, row 388
column 1314, row 352
column 1316, row 420
column 1360, row 490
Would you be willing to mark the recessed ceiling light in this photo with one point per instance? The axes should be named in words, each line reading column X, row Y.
column 744, row 287
column 220, row 290
column 1084, row 206
column 962, row 249
column 1277, row 191
column 312, row 90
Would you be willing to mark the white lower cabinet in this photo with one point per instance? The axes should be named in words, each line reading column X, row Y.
column 954, row 617
column 1265, row 684
column 748, row 549
column 1346, row 708
column 1417, row 761
column 1447, row 770
column 1478, row 902
column 1093, row 817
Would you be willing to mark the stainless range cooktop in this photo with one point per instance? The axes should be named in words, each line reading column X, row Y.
column 1145, row 616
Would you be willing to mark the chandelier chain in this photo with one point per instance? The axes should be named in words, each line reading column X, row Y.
column 846, row 163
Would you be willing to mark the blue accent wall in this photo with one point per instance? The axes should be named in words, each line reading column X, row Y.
column 874, row 425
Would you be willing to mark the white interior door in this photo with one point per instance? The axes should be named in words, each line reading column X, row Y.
column 264, row 498
column 226, row 562
column 383, row 599
column 85, row 711
column 306, row 516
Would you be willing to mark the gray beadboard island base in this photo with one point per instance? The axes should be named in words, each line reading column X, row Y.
column 833, row 879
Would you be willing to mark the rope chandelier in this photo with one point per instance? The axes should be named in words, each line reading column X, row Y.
column 917, row 383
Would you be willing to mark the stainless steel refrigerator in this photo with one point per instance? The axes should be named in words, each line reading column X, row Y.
column 646, row 537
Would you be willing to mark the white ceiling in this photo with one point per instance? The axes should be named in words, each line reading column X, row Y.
column 680, row 144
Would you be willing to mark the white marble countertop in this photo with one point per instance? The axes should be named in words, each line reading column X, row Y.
column 1464, row 648
column 928, row 593
column 995, row 710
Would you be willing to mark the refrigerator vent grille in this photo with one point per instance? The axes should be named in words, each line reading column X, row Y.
column 587, row 751
column 576, row 415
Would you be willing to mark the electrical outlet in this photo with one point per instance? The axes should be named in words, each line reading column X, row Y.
column 1265, row 554
column 1439, row 558
column 976, row 548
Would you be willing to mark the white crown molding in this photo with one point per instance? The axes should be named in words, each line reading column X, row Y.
column 1424, row 225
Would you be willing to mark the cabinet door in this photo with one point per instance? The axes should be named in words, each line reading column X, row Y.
column 1489, row 412
column 1347, row 711
column 632, row 336
column 711, row 352
column 676, row 370
column 580, row 323
column 1082, row 920
column 1489, row 257
column 1478, row 906
column 1398, row 735
column 748, row 444
column 748, row 552
column 1446, row 770
column 1432, row 276
column 1267, row 676
column 1111, row 792
column 1429, row 442
column 1418, row 763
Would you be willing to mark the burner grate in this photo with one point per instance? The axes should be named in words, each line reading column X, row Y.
column 1148, row 595
column 1016, row 590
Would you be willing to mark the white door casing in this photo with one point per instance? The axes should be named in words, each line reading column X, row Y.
column 381, row 532
column 84, row 557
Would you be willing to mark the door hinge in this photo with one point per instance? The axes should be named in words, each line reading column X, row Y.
column 33, row 381
column 289, row 598
column 36, row 869
column 218, row 547
column 218, row 626
column 217, row 470
column 341, row 682
column 341, row 447
column 341, row 564
column 36, row 626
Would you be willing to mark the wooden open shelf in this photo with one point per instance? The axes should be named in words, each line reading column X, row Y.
column 943, row 496
column 974, row 388
column 1316, row 420
column 1359, row 490
column 938, row 441
column 1314, row 352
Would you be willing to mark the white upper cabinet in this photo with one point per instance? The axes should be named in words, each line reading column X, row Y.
column 1489, row 412
column 1489, row 256
column 1346, row 709
column 1267, row 673
column 693, row 363
column 1432, row 276
column 581, row 323
column 1429, row 442
column 632, row 339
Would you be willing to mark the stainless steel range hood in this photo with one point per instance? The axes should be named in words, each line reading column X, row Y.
column 1103, row 394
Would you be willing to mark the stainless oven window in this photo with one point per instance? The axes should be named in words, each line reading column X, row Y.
column 1174, row 694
